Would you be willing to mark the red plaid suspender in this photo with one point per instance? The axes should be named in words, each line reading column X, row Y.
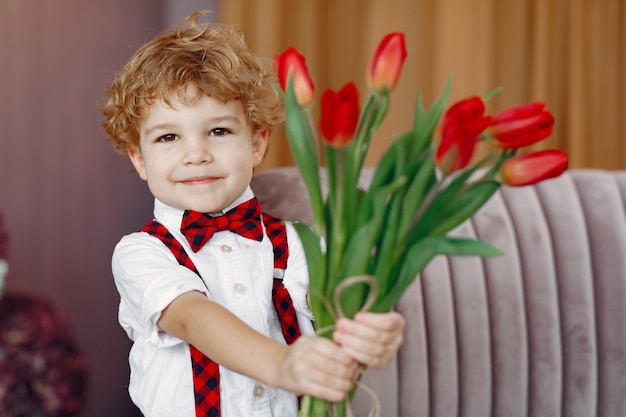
column 276, row 231
column 205, row 371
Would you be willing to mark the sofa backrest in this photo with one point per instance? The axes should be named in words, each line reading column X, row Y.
column 537, row 332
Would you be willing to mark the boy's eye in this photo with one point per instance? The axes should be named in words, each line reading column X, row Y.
column 219, row 131
column 170, row 137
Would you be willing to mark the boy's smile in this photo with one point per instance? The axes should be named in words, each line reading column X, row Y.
column 197, row 155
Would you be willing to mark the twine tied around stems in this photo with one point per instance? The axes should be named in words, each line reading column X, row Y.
column 338, row 312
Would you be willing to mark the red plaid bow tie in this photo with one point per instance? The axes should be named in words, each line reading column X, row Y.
column 245, row 220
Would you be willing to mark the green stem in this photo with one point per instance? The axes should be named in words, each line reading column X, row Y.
column 337, row 238
column 314, row 186
column 371, row 117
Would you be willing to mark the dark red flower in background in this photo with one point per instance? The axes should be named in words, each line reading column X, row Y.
column 42, row 370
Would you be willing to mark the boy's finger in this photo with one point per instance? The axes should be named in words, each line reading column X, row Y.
column 371, row 330
column 384, row 321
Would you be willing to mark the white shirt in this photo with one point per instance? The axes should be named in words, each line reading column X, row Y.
column 238, row 274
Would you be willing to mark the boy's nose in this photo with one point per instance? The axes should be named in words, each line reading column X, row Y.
column 197, row 152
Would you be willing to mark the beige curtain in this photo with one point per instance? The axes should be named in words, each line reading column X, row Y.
column 569, row 53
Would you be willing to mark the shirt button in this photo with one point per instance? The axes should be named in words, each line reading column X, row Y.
column 259, row 391
column 226, row 248
column 239, row 288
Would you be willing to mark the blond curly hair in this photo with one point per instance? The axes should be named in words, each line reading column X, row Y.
column 210, row 56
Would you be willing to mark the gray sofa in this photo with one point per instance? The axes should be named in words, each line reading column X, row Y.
column 538, row 332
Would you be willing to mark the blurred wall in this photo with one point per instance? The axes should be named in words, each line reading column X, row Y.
column 66, row 197
column 570, row 54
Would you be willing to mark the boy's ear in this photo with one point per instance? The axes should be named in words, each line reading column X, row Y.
column 259, row 146
column 137, row 159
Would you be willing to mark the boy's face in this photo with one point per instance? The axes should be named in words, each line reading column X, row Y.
column 197, row 156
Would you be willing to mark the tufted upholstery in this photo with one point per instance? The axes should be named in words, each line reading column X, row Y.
column 537, row 332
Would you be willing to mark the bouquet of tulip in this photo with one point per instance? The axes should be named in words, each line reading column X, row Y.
column 365, row 247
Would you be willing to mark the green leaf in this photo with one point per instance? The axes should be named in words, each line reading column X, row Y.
column 422, row 252
column 372, row 115
column 303, row 144
column 386, row 170
column 421, row 183
column 389, row 247
column 359, row 249
column 492, row 93
column 314, row 255
column 470, row 198
column 375, row 198
column 424, row 123
column 464, row 206
column 457, row 246
column 435, row 202
column 316, row 263
column 356, row 259
column 414, row 261
column 411, row 146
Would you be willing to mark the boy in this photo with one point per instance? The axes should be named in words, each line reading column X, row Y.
column 193, row 110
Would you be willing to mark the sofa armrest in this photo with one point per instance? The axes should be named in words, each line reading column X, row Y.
column 538, row 331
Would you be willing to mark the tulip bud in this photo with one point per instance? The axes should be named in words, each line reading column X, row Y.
column 386, row 64
column 533, row 167
column 340, row 115
column 461, row 126
column 522, row 126
column 289, row 60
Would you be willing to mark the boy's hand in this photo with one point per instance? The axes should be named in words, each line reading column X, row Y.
column 373, row 339
column 318, row 367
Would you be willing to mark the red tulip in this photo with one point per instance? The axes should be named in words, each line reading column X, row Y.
column 522, row 126
column 340, row 115
column 386, row 64
column 302, row 82
column 461, row 126
column 533, row 167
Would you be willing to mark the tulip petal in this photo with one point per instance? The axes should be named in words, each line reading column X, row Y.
column 522, row 126
column 340, row 115
column 533, row 167
column 292, row 60
column 386, row 63
column 461, row 126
